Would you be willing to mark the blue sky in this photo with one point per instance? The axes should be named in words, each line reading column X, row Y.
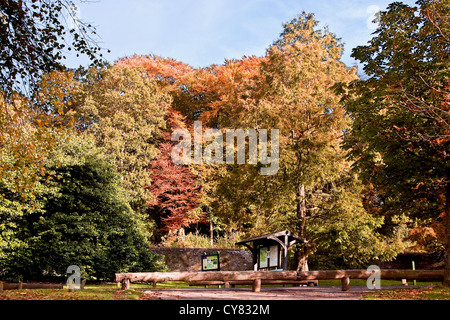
column 202, row 32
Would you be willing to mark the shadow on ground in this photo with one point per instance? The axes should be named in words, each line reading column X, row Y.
column 267, row 293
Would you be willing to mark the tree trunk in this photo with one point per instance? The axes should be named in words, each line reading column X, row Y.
column 301, row 258
column 446, row 281
column 211, row 233
column 301, row 254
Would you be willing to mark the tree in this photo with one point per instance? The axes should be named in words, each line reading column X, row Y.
column 26, row 137
column 176, row 192
column 174, row 187
column 172, row 76
column 34, row 35
column 125, row 111
column 400, row 136
column 77, row 214
column 296, row 96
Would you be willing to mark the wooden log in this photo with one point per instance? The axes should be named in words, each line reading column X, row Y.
column 250, row 282
column 345, row 283
column 206, row 276
column 411, row 274
column 210, row 283
column 256, row 286
column 31, row 285
column 333, row 274
column 229, row 276
column 364, row 274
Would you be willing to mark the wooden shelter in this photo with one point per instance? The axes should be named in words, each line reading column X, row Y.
column 270, row 251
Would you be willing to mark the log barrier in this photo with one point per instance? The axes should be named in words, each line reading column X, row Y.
column 258, row 277
column 25, row 285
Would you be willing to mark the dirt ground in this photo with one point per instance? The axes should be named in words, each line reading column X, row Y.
column 267, row 293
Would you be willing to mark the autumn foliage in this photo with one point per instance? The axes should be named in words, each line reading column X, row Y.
column 174, row 188
column 363, row 163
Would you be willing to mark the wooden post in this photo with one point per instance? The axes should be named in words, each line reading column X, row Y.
column 227, row 285
column 83, row 284
column 345, row 283
column 20, row 285
column 126, row 284
column 256, row 285
column 1, row 286
column 255, row 257
column 285, row 252
column 154, row 284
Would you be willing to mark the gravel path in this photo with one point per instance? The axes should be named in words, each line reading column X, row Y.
column 267, row 293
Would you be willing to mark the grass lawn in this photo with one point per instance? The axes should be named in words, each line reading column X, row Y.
column 110, row 291
column 424, row 293
column 90, row 292
column 104, row 291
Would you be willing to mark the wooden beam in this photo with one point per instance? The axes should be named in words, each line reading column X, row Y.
column 277, row 275
column 263, row 276
column 364, row 274
column 25, row 285
column 278, row 240
column 205, row 276
column 249, row 282
column 411, row 274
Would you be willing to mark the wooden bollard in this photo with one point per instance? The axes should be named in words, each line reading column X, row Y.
column 125, row 284
column 256, row 285
column 345, row 283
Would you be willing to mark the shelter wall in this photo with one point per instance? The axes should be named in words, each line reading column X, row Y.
column 189, row 259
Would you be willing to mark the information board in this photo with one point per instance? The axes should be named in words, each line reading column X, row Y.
column 211, row 262
column 268, row 257
column 263, row 255
column 273, row 255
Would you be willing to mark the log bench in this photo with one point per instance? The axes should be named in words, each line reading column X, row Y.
column 258, row 277
column 29, row 285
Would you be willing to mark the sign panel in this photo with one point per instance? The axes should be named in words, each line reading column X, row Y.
column 273, row 256
column 211, row 262
column 263, row 255
column 268, row 257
